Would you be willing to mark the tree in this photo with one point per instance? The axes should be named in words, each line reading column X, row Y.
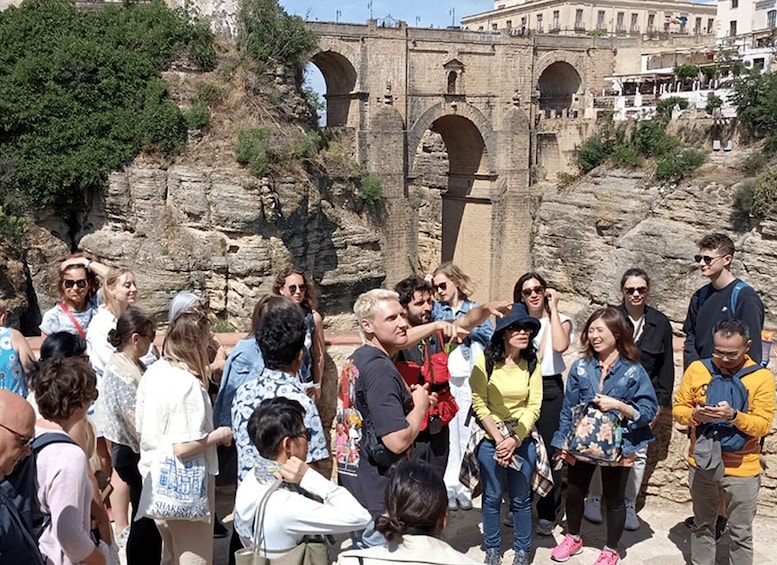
column 269, row 33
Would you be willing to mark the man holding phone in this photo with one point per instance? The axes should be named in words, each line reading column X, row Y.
column 738, row 482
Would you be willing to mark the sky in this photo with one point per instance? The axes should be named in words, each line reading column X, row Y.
column 434, row 12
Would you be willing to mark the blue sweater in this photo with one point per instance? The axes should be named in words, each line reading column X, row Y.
column 627, row 382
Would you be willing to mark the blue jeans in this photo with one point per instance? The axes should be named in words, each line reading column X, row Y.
column 493, row 477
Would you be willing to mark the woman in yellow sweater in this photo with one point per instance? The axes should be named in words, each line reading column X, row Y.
column 506, row 399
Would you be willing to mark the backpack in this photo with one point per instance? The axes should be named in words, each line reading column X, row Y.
column 434, row 371
column 22, row 488
column 705, row 293
column 728, row 388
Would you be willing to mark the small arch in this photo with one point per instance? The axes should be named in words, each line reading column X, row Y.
column 340, row 77
column 452, row 76
column 558, row 84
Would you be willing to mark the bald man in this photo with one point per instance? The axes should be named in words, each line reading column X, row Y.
column 17, row 428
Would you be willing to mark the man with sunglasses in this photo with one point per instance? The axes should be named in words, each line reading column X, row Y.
column 17, row 428
column 713, row 303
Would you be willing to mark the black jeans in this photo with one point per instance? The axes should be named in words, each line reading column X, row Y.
column 144, row 545
column 614, row 481
column 547, row 425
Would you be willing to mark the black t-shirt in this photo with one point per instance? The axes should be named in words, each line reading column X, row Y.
column 387, row 399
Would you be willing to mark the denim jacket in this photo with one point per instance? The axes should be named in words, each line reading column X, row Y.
column 626, row 381
column 243, row 364
column 481, row 334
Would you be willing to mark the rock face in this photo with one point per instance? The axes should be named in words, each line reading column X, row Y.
column 586, row 236
column 222, row 233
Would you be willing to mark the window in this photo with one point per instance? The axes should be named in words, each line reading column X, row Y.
column 509, row 24
column 634, row 22
column 556, row 19
column 710, row 25
column 480, row 28
column 651, row 22
column 452, row 76
column 494, row 27
column 579, row 19
column 619, row 21
column 758, row 64
column 734, row 4
column 667, row 21
column 732, row 28
column 539, row 23
column 600, row 20
column 697, row 27
column 523, row 24
column 771, row 18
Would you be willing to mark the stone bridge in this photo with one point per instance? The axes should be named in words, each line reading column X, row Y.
column 485, row 94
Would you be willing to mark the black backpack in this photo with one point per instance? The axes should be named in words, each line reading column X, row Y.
column 22, row 488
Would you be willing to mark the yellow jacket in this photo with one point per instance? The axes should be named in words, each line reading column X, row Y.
column 755, row 423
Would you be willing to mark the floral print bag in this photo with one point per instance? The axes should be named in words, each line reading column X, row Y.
column 596, row 436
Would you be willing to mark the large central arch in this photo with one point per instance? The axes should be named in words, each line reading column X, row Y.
column 340, row 77
column 558, row 85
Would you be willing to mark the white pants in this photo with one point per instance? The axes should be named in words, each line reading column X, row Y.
column 459, row 436
column 632, row 486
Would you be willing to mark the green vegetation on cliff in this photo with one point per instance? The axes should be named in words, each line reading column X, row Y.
column 81, row 96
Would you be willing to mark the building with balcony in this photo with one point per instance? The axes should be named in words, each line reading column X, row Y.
column 651, row 18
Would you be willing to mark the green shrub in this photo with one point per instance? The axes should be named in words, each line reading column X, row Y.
column 754, row 163
column 209, row 93
column 755, row 97
column 251, row 150
column 624, row 156
column 651, row 140
column 591, row 154
column 686, row 71
column 596, row 33
column 198, row 116
column 765, row 195
column 12, row 228
column 309, row 146
column 269, row 33
column 665, row 106
column 565, row 179
column 676, row 166
column 713, row 102
column 371, row 188
column 744, row 198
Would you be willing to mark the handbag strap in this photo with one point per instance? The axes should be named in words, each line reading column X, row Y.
column 259, row 540
column 69, row 314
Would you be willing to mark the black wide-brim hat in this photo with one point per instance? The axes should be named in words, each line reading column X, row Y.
column 518, row 315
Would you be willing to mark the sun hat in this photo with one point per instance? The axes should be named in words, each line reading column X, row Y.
column 518, row 315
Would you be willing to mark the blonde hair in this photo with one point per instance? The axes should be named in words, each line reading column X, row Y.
column 364, row 307
column 456, row 275
column 186, row 343
column 111, row 279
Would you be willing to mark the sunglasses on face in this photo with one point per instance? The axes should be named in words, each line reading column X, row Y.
column 70, row 283
column 293, row 288
column 516, row 328
column 307, row 433
column 24, row 441
column 708, row 259
column 632, row 289
column 441, row 287
column 527, row 292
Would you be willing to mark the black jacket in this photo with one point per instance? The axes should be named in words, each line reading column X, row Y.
column 656, row 356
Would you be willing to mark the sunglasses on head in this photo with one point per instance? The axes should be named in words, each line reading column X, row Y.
column 441, row 286
column 527, row 292
column 293, row 288
column 632, row 289
column 708, row 259
column 24, row 441
column 70, row 283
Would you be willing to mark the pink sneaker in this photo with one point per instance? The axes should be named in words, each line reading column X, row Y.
column 607, row 557
column 568, row 547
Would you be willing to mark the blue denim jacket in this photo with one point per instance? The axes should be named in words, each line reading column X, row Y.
column 244, row 363
column 481, row 334
column 626, row 381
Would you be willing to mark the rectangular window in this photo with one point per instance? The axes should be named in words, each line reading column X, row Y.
column 651, row 23
column 734, row 4
column 619, row 21
column 556, row 19
column 732, row 28
column 579, row 19
column 509, row 24
column 539, row 23
column 710, row 25
column 697, row 27
column 771, row 18
column 494, row 27
column 634, row 22
column 600, row 20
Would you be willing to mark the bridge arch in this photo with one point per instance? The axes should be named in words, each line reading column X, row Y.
column 341, row 78
column 559, row 80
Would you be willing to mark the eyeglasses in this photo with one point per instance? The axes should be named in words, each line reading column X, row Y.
column 638, row 289
column 24, row 441
column 293, row 288
column 70, row 283
column 725, row 356
column 525, row 328
column 441, row 286
column 708, row 260
column 527, row 292
column 307, row 433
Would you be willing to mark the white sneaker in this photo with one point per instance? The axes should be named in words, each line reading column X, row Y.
column 452, row 504
column 465, row 502
column 632, row 522
column 593, row 509
column 544, row 527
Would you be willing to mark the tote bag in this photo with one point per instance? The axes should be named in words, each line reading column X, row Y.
column 175, row 489
column 311, row 552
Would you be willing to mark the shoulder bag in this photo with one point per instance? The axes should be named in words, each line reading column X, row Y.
column 312, row 551
column 596, row 436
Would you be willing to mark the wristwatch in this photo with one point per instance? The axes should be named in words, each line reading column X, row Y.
column 734, row 417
